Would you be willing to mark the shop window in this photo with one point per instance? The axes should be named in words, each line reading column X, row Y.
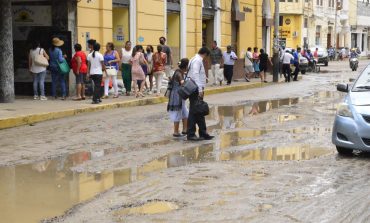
column 319, row 2
column 209, row 4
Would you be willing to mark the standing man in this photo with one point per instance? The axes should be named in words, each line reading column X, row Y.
column 167, row 50
column 198, row 74
column 229, row 58
column 216, row 60
column 286, row 59
column 248, row 64
column 297, row 57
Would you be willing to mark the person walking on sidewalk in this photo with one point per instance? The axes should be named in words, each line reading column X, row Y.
column 38, row 71
column 286, row 59
column 297, row 56
column 137, row 72
column 126, row 56
column 56, row 57
column 197, row 73
column 159, row 61
column 79, row 67
column 248, row 64
column 176, row 105
column 216, row 61
column 264, row 63
column 95, row 71
column 229, row 58
column 149, row 55
column 111, row 60
column 256, row 60
column 167, row 50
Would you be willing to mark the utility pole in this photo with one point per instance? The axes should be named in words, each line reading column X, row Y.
column 276, row 59
column 6, row 54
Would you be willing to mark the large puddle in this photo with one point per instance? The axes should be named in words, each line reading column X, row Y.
column 42, row 190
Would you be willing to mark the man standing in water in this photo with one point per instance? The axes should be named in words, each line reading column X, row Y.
column 198, row 74
column 167, row 50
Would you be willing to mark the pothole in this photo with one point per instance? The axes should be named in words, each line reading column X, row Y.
column 147, row 208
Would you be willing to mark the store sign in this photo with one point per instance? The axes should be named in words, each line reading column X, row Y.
column 285, row 32
column 32, row 15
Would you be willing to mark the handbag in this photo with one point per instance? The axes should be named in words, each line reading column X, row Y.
column 187, row 89
column 63, row 67
column 169, row 88
column 40, row 60
column 111, row 71
column 201, row 108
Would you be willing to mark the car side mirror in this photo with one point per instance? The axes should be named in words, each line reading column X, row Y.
column 352, row 79
column 342, row 87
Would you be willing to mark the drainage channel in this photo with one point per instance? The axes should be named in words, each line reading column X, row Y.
column 42, row 190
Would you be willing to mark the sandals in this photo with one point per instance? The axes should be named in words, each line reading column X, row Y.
column 177, row 135
column 77, row 99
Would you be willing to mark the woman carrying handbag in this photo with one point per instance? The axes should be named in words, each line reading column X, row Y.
column 38, row 61
column 111, row 59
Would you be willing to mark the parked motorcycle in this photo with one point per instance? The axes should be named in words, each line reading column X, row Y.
column 353, row 63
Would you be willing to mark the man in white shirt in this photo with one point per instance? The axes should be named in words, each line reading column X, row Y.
column 198, row 74
column 286, row 59
column 229, row 58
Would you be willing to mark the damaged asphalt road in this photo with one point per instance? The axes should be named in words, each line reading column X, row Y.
column 272, row 161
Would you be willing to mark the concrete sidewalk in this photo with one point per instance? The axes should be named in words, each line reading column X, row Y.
column 27, row 111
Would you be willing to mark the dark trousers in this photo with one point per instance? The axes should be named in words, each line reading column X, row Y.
column 97, row 86
column 194, row 120
column 296, row 72
column 228, row 72
column 286, row 72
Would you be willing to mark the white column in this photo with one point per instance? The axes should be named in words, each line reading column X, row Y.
column 359, row 40
column 133, row 27
column 217, row 24
column 165, row 18
column 268, row 40
column 183, row 28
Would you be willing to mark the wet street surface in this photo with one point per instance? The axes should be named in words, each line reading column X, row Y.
column 272, row 161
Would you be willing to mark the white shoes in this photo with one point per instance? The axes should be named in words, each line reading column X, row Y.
column 42, row 98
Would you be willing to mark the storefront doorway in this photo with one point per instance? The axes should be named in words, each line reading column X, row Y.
column 38, row 21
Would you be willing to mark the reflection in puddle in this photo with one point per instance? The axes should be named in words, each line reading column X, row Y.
column 297, row 152
column 241, row 137
column 153, row 207
column 286, row 118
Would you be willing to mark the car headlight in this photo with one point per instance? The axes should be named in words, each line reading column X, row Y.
column 344, row 110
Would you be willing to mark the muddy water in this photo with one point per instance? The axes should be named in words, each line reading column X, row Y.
column 48, row 188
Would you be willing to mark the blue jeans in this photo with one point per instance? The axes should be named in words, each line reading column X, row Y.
column 39, row 79
column 57, row 77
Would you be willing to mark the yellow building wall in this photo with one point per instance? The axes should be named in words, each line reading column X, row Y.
column 352, row 12
column 121, row 26
column 287, row 30
column 103, row 23
column 150, row 22
column 96, row 18
column 173, row 35
column 193, row 27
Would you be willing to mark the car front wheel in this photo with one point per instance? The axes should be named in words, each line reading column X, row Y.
column 344, row 151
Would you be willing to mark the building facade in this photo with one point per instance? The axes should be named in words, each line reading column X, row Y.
column 187, row 24
column 315, row 23
column 360, row 27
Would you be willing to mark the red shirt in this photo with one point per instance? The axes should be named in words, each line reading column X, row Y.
column 159, row 60
column 83, row 68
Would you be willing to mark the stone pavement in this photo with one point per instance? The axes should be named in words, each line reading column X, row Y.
column 26, row 111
